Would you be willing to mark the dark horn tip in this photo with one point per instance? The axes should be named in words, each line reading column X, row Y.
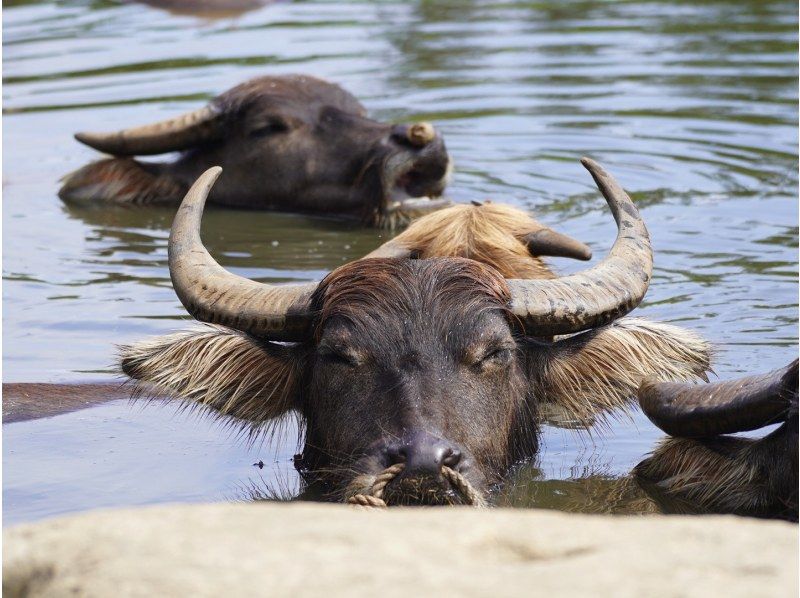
column 85, row 138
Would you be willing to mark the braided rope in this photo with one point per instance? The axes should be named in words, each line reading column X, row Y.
column 374, row 496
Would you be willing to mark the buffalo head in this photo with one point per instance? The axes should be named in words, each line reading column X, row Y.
column 292, row 143
column 426, row 362
column 718, row 473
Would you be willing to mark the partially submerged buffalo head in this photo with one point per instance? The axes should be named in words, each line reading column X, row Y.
column 428, row 362
column 293, row 143
column 713, row 472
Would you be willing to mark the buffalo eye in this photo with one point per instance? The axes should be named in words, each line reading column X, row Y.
column 339, row 356
column 270, row 127
column 495, row 356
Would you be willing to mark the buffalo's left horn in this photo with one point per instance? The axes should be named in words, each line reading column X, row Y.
column 600, row 294
column 212, row 294
column 740, row 405
column 549, row 242
column 181, row 132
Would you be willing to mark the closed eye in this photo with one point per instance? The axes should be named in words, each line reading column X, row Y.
column 494, row 356
column 338, row 356
column 270, row 127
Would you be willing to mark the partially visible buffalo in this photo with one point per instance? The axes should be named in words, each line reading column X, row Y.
column 719, row 473
column 293, row 143
column 432, row 363
column 506, row 238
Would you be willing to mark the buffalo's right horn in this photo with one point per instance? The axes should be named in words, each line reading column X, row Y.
column 212, row 294
column 600, row 294
column 170, row 135
column 551, row 243
column 740, row 405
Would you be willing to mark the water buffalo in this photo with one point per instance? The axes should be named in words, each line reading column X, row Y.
column 291, row 142
column 727, row 474
column 432, row 363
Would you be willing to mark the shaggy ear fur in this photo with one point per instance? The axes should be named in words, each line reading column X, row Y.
column 227, row 371
column 726, row 474
column 489, row 233
column 591, row 374
column 119, row 181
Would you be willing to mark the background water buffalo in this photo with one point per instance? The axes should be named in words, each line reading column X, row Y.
column 426, row 362
column 726, row 474
column 291, row 142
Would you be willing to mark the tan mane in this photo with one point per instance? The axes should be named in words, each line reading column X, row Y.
column 490, row 233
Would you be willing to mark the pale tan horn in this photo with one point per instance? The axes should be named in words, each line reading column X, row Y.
column 600, row 294
column 170, row 135
column 212, row 294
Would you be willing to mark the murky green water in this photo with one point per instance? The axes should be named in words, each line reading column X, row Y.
column 692, row 105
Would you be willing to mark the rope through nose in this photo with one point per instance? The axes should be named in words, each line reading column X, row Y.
column 374, row 497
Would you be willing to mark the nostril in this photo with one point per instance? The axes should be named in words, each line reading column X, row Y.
column 396, row 454
column 400, row 133
column 452, row 458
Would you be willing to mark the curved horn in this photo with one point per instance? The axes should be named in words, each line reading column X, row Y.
column 721, row 408
column 170, row 135
column 549, row 242
column 212, row 294
column 600, row 294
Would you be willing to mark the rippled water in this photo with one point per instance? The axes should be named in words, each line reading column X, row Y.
column 692, row 105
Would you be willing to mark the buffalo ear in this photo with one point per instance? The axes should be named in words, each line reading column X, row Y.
column 226, row 371
column 590, row 375
column 119, row 181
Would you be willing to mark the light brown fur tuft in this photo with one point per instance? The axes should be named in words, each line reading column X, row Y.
column 218, row 368
column 597, row 372
column 121, row 181
column 490, row 233
column 713, row 474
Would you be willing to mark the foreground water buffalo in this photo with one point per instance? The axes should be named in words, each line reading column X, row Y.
column 720, row 473
column 429, row 363
column 291, row 142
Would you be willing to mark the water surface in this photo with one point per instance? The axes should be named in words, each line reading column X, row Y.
column 692, row 105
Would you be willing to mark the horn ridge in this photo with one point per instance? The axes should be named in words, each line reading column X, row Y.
column 212, row 294
column 600, row 294
column 178, row 133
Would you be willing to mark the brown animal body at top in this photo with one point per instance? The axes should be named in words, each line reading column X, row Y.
column 710, row 471
column 291, row 143
column 206, row 8
column 430, row 363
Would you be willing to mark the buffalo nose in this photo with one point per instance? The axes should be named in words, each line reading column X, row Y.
column 417, row 134
column 424, row 454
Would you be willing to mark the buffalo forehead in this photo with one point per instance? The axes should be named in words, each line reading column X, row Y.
column 290, row 92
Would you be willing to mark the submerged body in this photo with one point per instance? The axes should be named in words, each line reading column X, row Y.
column 292, row 143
